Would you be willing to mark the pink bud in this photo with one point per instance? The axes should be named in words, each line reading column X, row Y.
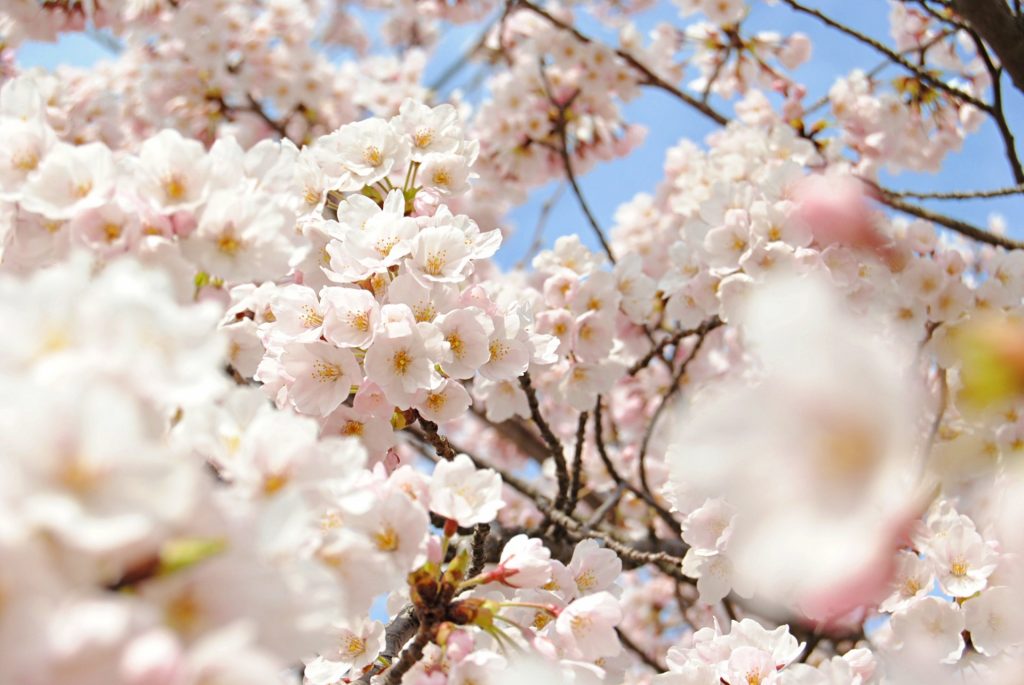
column 183, row 223
column 836, row 210
column 426, row 202
column 370, row 399
column 796, row 51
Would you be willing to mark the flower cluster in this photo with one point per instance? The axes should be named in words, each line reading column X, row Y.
column 275, row 413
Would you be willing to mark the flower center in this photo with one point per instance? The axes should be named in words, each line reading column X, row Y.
column 386, row 539
column 311, row 318
column 359, row 321
column 353, row 646
column 324, row 372
column 435, row 263
column 456, row 344
column 83, row 189
column 400, row 362
column 174, row 187
column 373, row 156
column 423, row 137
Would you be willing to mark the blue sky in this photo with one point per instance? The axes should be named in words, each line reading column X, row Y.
column 980, row 165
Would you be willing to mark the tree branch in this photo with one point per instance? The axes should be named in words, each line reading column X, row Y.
column 922, row 74
column 561, row 126
column 577, row 464
column 554, row 446
column 673, row 339
column 958, row 194
column 436, row 440
column 480, row 534
column 953, row 223
column 995, row 22
column 995, row 73
column 663, row 513
column 702, row 333
column 650, row 661
column 396, row 634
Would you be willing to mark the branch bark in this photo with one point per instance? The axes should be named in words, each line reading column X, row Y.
column 996, row 24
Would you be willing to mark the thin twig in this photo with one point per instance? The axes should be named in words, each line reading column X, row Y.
column 561, row 126
column 958, row 194
column 610, row 503
column 664, row 514
column 455, row 67
column 650, row 661
column 667, row 563
column 576, row 481
column 702, row 334
column 542, row 220
column 953, row 223
column 258, row 110
column 554, row 446
column 673, row 339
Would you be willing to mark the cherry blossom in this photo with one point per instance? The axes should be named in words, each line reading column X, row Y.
column 280, row 408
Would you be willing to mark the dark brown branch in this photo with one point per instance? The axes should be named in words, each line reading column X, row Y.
column 673, row 339
column 953, row 223
column 410, row 655
column 576, row 481
column 480, row 534
column 1004, row 32
column 554, row 446
column 602, row 451
column 958, row 194
column 436, row 440
column 995, row 73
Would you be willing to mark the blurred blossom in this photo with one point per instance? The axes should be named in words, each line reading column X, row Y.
column 815, row 443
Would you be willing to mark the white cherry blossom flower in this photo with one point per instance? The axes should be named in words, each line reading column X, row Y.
column 447, row 401
column 994, row 621
column 322, row 375
column 963, row 561
column 360, row 154
column 241, row 237
column 351, row 316
column 350, row 648
column 172, row 173
column 430, row 129
column 464, row 493
column 586, row 628
column 524, row 563
column 930, row 628
column 69, row 180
